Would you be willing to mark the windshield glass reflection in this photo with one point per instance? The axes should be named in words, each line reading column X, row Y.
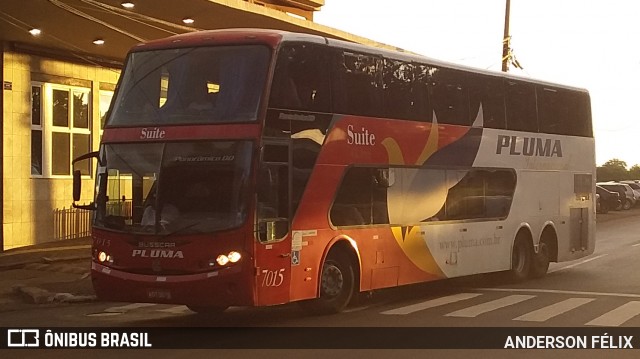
column 191, row 85
column 165, row 188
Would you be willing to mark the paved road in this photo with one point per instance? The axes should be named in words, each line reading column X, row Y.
column 602, row 290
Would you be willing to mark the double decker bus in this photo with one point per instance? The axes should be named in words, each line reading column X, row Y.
column 249, row 167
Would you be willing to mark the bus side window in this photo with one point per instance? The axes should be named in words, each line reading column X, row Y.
column 421, row 85
column 400, row 100
column 479, row 194
column 357, row 85
column 499, row 188
column 302, row 79
column 450, row 97
column 580, row 115
column 562, row 112
column 489, row 93
column 361, row 198
column 552, row 110
column 521, row 106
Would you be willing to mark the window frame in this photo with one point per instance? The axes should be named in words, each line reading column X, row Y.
column 37, row 128
column 48, row 129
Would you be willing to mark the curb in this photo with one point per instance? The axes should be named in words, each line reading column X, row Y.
column 35, row 295
column 20, row 259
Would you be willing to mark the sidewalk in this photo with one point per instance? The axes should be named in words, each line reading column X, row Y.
column 46, row 273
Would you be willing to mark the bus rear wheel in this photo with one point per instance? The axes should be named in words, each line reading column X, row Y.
column 337, row 284
column 540, row 263
column 521, row 259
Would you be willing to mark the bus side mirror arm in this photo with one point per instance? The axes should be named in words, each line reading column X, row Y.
column 77, row 181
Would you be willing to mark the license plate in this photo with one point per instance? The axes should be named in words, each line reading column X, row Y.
column 159, row 294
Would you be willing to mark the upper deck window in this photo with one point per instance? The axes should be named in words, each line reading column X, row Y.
column 302, row 79
column 191, row 86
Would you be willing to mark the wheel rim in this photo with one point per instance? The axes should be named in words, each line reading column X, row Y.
column 332, row 280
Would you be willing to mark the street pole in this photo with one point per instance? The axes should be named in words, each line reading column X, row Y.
column 506, row 40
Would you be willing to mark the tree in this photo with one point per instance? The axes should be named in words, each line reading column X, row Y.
column 634, row 172
column 612, row 170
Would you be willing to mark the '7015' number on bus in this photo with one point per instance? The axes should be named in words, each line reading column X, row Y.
column 272, row 278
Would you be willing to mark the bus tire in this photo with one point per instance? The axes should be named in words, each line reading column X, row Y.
column 337, row 284
column 207, row 310
column 521, row 259
column 540, row 263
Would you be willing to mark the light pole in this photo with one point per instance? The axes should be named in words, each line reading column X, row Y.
column 506, row 40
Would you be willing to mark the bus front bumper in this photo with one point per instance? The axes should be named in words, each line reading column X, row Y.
column 229, row 287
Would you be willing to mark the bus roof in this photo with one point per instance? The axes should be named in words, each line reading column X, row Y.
column 228, row 36
column 274, row 38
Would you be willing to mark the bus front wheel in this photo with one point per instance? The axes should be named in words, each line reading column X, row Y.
column 521, row 259
column 337, row 284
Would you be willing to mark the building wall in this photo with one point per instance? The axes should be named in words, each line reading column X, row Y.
column 30, row 200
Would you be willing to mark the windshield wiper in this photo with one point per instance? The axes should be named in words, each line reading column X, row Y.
column 179, row 230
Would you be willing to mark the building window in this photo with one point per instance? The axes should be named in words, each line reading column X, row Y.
column 36, row 130
column 105, row 101
column 60, row 129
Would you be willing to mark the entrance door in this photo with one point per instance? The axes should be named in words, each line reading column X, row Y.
column 273, row 247
column 274, row 271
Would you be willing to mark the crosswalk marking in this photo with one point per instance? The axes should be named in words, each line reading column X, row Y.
column 476, row 310
column 613, row 318
column 617, row 316
column 126, row 308
column 557, row 291
column 179, row 309
column 553, row 310
column 432, row 303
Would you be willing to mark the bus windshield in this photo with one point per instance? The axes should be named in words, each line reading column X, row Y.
column 164, row 188
column 191, row 86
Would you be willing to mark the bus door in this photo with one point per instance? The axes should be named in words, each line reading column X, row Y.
column 273, row 247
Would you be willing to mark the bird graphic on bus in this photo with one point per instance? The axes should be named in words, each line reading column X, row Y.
column 419, row 195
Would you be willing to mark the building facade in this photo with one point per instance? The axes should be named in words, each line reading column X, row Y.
column 60, row 61
column 53, row 110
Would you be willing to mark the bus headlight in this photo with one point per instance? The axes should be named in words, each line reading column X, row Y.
column 231, row 257
column 222, row 260
column 234, row 256
column 104, row 257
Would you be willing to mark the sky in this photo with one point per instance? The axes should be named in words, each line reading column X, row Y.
column 593, row 44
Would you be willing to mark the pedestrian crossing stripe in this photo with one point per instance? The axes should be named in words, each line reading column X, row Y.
column 613, row 318
column 432, row 303
column 178, row 309
column 479, row 309
column 550, row 311
column 618, row 316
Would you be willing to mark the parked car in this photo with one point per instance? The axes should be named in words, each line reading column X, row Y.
column 636, row 189
column 627, row 198
column 629, row 191
column 609, row 200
